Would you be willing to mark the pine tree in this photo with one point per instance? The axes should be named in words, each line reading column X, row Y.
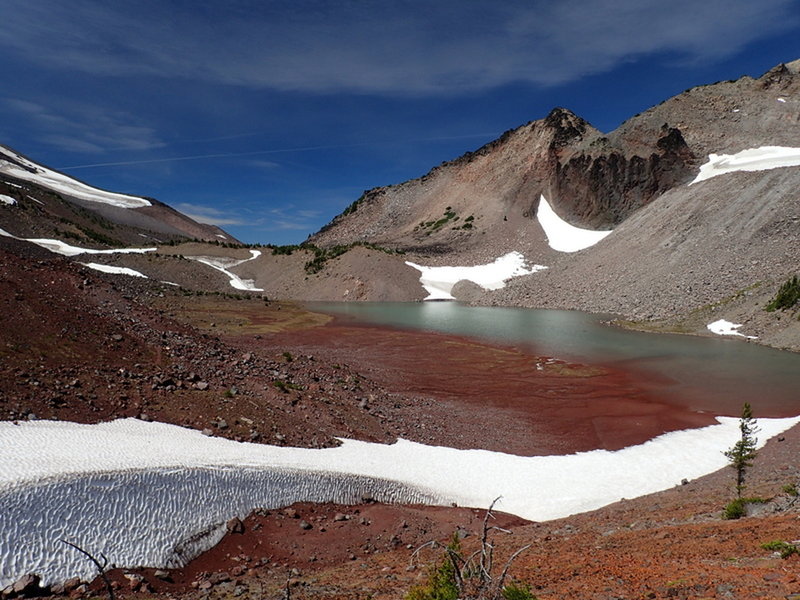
column 743, row 452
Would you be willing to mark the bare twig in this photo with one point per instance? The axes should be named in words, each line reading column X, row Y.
column 472, row 576
column 101, row 568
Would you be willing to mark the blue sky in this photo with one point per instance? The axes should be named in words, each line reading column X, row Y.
column 269, row 117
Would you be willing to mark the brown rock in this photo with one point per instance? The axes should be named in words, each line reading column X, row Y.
column 71, row 583
column 235, row 525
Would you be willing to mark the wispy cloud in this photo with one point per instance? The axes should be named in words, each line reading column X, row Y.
column 84, row 128
column 211, row 215
column 263, row 163
column 291, row 218
column 397, row 47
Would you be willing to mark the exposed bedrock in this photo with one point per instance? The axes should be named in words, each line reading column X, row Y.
column 603, row 185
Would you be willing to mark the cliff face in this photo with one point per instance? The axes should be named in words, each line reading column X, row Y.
column 603, row 185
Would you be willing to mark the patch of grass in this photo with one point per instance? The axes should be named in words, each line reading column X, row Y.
column 785, row 548
column 323, row 255
column 286, row 386
column 448, row 217
column 737, row 508
column 790, row 489
column 288, row 357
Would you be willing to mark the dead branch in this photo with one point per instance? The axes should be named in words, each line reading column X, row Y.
column 101, row 568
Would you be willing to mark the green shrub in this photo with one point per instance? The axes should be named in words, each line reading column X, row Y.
column 518, row 591
column 790, row 489
column 737, row 508
column 785, row 548
column 788, row 296
column 441, row 582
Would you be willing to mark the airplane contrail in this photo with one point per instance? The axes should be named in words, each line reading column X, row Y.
column 272, row 151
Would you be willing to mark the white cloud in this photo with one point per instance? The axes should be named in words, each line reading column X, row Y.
column 85, row 128
column 210, row 215
column 403, row 46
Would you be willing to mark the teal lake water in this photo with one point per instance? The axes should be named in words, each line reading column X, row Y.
column 710, row 374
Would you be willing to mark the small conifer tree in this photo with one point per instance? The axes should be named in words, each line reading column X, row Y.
column 743, row 452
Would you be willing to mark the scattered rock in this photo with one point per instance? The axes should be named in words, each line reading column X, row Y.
column 71, row 583
column 24, row 587
column 135, row 581
column 235, row 525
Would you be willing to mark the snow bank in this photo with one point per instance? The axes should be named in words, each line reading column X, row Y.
column 7, row 200
column 752, row 159
column 64, row 184
column 157, row 494
column 114, row 270
column 223, row 264
column 561, row 235
column 439, row 281
column 723, row 327
column 65, row 249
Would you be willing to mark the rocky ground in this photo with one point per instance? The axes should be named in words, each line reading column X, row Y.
column 84, row 346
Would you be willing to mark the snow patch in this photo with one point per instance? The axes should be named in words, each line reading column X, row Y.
column 114, row 270
column 224, row 264
column 64, row 249
column 7, row 200
column 752, row 159
column 562, row 236
column 156, row 494
column 64, row 184
column 723, row 327
column 439, row 281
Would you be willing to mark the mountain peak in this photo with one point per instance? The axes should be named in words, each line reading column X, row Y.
column 568, row 126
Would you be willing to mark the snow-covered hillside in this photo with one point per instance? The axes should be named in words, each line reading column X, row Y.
column 17, row 166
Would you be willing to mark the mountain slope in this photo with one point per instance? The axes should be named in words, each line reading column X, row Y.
column 593, row 180
column 494, row 191
column 49, row 202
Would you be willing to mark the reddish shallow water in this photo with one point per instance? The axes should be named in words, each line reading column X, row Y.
column 499, row 398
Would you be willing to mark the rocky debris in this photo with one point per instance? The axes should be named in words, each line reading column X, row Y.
column 162, row 575
column 26, row 586
column 235, row 525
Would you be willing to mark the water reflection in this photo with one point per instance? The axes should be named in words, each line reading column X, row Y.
column 707, row 374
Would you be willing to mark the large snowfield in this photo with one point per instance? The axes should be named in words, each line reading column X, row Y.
column 157, row 495
column 58, row 182
column 439, row 281
column 752, row 159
